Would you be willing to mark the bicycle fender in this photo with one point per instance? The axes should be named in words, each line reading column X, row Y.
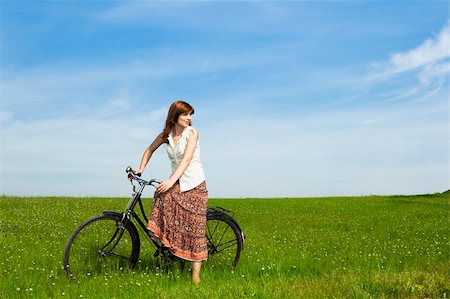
column 112, row 213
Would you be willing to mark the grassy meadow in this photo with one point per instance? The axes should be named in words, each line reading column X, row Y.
column 344, row 247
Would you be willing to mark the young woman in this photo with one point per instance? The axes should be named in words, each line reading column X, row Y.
column 178, row 217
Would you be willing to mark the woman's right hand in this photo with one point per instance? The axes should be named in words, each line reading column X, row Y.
column 137, row 171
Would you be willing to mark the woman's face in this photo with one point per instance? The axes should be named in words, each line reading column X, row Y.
column 184, row 119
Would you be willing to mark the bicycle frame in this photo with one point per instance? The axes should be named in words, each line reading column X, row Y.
column 129, row 211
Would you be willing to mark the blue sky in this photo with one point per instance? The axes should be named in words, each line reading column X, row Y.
column 292, row 98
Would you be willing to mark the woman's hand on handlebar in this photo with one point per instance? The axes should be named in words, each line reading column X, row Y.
column 138, row 172
column 132, row 172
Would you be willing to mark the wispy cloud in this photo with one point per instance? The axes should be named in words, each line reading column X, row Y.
column 432, row 54
column 434, row 72
column 414, row 75
column 432, row 51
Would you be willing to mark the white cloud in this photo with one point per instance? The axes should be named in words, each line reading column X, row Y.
column 411, row 76
column 430, row 60
column 429, row 52
column 434, row 72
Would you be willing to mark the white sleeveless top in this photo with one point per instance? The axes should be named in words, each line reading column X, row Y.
column 193, row 175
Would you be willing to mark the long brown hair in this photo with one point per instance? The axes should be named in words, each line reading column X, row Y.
column 176, row 109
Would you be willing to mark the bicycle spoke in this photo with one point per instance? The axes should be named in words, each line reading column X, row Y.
column 223, row 234
column 229, row 243
column 220, row 244
column 110, row 240
column 212, row 234
column 117, row 240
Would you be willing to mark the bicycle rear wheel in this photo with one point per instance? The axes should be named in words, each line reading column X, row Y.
column 225, row 241
column 100, row 244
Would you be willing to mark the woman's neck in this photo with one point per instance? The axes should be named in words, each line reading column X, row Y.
column 177, row 130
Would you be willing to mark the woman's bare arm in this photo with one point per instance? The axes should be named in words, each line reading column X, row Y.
column 149, row 152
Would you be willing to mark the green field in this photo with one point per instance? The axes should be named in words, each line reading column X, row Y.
column 358, row 247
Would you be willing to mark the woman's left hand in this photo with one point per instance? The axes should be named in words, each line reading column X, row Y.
column 164, row 186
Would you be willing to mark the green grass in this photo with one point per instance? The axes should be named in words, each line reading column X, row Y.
column 358, row 247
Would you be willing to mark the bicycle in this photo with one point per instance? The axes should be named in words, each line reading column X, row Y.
column 111, row 240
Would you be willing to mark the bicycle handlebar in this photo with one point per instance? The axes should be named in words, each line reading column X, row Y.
column 136, row 177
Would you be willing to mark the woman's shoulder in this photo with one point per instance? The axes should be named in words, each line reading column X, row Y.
column 191, row 131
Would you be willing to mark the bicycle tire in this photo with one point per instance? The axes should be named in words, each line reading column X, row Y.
column 100, row 244
column 224, row 239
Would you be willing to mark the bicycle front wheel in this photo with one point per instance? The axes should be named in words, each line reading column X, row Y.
column 225, row 241
column 101, row 244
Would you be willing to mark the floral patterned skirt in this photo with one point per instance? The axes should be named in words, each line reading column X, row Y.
column 178, row 220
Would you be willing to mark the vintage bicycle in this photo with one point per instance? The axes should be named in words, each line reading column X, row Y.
column 111, row 241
